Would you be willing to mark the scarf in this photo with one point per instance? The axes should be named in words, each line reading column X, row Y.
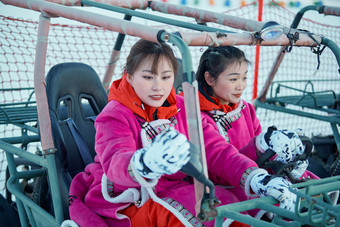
column 209, row 103
column 122, row 92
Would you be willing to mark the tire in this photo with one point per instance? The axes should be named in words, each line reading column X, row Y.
column 40, row 192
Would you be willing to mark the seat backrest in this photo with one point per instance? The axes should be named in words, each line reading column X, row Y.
column 74, row 94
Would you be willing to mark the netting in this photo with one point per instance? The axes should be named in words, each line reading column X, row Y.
column 93, row 46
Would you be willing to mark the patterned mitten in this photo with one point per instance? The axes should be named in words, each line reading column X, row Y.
column 286, row 144
column 165, row 155
column 264, row 184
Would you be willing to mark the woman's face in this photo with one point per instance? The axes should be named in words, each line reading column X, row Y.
column 230, row 84
column 153, row 89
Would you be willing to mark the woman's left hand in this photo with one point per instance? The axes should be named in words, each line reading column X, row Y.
column 286, row 144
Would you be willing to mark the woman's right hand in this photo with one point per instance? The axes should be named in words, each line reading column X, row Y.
column 264, row 184
column 165, row 155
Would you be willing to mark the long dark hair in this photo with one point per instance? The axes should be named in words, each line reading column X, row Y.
column 215, row 60
column 144, row 49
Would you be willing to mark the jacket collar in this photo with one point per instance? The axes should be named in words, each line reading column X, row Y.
column 122, row 92
column 209, row 103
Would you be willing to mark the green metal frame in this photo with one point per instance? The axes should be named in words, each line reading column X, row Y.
column 334, row 120
column 20, row 114
column 311, row 195
column 30, row 212
column 160, row 19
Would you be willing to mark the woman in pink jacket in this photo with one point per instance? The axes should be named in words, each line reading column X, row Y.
column 141, row 145
column 222, row 78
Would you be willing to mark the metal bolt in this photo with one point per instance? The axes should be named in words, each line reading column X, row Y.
column 166, row 37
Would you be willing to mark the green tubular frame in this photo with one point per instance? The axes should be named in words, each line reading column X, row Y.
column 310, row 194
column 153, row 17
column 186, row 56
column 320, row 9
column 26, row 207
column 333, row 120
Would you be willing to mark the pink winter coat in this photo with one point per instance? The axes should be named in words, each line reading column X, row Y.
column 245, row 127
column 118, row 137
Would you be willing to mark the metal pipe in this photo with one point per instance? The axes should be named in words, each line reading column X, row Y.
column 13, row 186
column 246, row 38
column 329, row 119
column 110, row 23
column 23, row 154
column 20, row 139
column 114, row 58
column 334, row 48
column 207, row 16
column 327, row 10
column 294, row 25
column 21, row 197
column 55, row 189
column 40, row 83
column 153, row 17
column 185, row 52
column 132, row 4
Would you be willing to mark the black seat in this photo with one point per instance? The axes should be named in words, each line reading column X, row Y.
column 75, row 97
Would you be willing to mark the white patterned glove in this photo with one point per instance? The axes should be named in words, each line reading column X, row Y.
column 165, row 155
column 286, row 144
column 264, row 184
column 300, row 168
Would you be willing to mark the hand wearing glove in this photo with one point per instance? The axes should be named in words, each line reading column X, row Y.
column 286, row 144
column 300, row 168
column 165, row 155
column 264, row 184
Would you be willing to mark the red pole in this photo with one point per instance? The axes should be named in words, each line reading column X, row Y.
column 257, row 54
